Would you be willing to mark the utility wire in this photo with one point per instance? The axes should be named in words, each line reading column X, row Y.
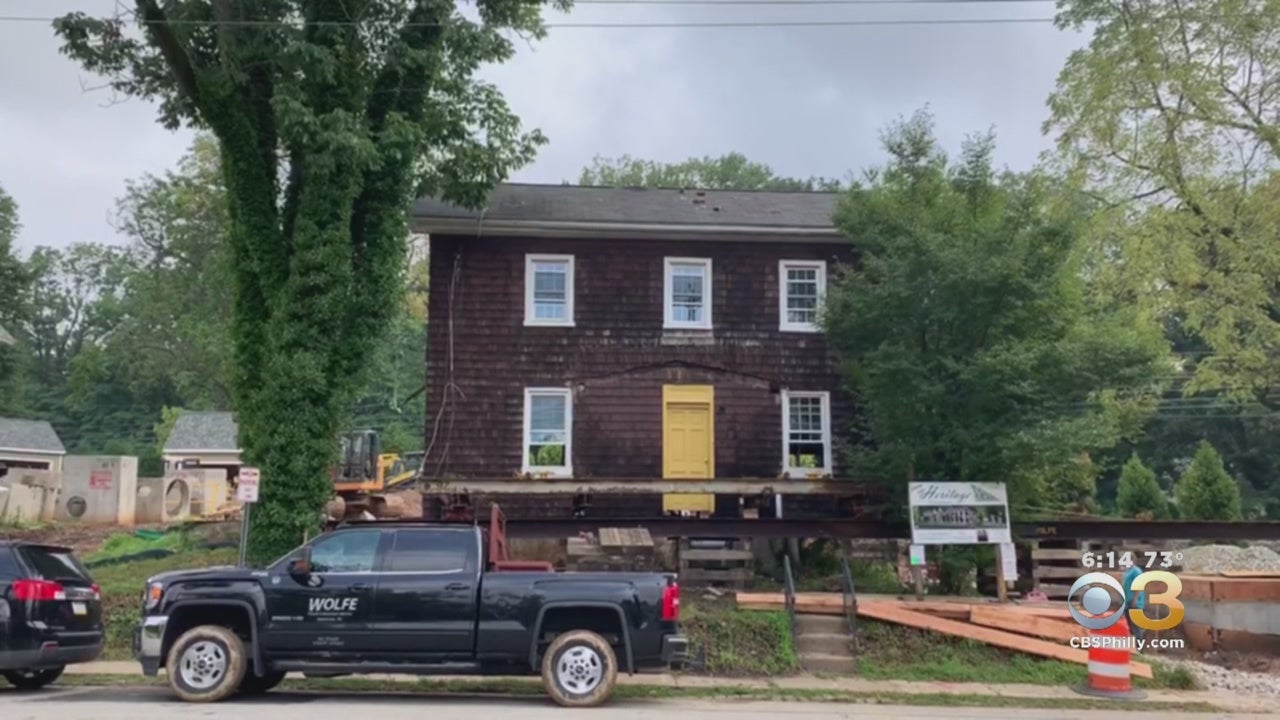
column 605, row 25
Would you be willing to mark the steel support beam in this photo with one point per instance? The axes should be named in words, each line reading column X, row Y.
column 644, row 486
column 871, row 529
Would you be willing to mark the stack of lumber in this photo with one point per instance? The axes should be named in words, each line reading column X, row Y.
column 1043, row 629
column 725, row 563
column 613, row 550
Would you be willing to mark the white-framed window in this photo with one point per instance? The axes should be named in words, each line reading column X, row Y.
column 548, row 432
column 806, row 433
column 548, row 290
column 687, row 293
column 801, row 287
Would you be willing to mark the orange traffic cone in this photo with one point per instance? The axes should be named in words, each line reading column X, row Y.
column 1109, row 665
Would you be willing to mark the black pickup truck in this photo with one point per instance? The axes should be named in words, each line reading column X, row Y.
column 410, row 598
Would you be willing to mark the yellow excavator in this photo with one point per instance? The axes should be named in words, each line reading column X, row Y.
column 365, row 477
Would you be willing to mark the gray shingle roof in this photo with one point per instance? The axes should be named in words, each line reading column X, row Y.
column 514, row 202
column 203, row 431
column 33, row 435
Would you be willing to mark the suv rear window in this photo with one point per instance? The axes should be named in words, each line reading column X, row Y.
column 53, row 563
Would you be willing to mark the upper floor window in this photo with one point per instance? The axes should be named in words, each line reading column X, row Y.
column 687, row 293
column 806, row 433
column 548, row 432
column 801, row 285
column 548, row 290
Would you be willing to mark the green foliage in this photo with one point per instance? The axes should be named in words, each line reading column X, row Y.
column 1206, row 491
column 547, row 456
column 14, row 284
column 740, row 643
column 727, row 172
column 328, row 128
column 1139, row 495
column 1169, row 115
column 967, row 334
column 168, row 418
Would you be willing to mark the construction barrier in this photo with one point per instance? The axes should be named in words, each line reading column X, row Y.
column 1109, row 666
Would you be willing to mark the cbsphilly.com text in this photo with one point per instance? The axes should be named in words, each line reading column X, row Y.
column 1127, row 642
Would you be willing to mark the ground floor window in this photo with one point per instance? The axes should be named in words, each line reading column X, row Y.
column 548, row 430
column 806, row 433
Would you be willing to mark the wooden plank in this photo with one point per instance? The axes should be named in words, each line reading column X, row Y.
column 1011, row 641
column 704, row 575
column 1056, row 554
column 723, row 555
column 1250, row 573
column 1057, row 571
column 1026, row 624
column 1055, row 591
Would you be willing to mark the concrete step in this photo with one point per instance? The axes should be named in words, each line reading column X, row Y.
column 821, row 624
column 818, row 662
column 824, row 644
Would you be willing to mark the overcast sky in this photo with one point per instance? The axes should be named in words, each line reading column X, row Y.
column 808, row 101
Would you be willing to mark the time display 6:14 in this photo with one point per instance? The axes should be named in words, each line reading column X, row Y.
column 1113, row 560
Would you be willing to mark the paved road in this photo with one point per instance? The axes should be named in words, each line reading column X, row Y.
column 81, row 703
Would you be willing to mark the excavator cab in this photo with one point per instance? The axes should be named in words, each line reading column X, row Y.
column 361, row 468
column 362, row 478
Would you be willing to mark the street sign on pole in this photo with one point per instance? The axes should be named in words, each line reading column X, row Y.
column 247, row 485
column 247, row 493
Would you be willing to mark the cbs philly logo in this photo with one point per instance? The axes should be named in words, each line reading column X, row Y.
column 1104, row 592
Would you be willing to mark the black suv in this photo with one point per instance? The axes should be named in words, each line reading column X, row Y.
column 50, row 613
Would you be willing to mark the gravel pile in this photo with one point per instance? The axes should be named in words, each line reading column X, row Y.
column 1216, row 558
column 1218, row 678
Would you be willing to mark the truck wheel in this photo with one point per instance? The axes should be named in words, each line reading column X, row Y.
column 32, row 679
column 206, row 664
column 259, row 684
column 579, row 669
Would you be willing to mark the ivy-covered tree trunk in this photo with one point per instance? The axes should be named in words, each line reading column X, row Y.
column 331, row 117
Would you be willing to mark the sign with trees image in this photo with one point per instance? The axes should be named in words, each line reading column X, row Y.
column 953, row 513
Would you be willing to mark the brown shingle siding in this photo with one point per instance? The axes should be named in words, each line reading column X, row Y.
column 617, row 356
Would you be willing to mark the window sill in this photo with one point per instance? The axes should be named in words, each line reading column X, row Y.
column 544, row 323
column 686, row 336
column 811, row 329
column 806, row 473
column 544, row 473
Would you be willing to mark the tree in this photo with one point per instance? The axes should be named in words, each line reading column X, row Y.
column 1139, row 495
column 176, row 328
column 331, row 116
column 727, row 172
column 967, row 334
column 14, row 285
column 1170, row 115
column 1206, row 491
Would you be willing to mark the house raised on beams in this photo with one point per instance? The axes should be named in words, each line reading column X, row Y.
column 616, row 333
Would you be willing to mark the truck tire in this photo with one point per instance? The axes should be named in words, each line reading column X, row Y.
column 206, row 664
column 33, row 679
column 579, row 669
column 259, row 684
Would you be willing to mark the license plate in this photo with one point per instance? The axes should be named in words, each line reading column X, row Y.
column 79, row 608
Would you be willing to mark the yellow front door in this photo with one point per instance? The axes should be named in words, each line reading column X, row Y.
column 688, row 443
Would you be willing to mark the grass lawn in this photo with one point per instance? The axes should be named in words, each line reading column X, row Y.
column 122, row 587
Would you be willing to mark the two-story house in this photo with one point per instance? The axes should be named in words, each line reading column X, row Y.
column 616, row 333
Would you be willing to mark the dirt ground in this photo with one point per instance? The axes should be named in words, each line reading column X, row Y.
column 1248, row 662
column 83, row 539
